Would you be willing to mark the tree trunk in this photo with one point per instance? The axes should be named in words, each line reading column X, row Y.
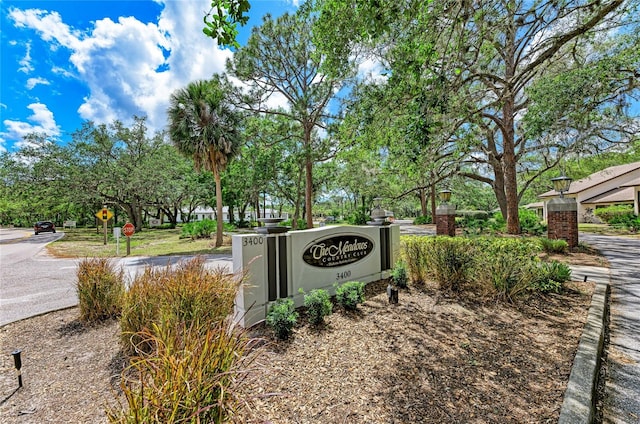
column 308, row 192
column 219, row 220
column 433, row 203
column 508, row 138
column 423, row 202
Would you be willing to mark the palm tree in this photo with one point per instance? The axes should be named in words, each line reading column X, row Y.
column 204, row 125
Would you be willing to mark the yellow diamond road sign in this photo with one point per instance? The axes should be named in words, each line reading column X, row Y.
column 104, row 214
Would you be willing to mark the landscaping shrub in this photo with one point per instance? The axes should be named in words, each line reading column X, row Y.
column 529, row 222
column 413, row 252
column 422, row 220
column 282, row 317
column 350, row 294
column 358, row 217
column 616, row 213
column 100, row 289
column 318, row 304
column 507, row 266
column 450, row 261
column 399, row 274
column 551, row 277
column 180, row 295
column 554, row 246
column 203, row 229
column 192, row 375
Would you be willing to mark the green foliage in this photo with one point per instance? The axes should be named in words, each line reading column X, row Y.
column 450, row 261
column 529, row 222
column 615, row 214
column 554, row 246
column 302, row 224
column 551, row 276
column 350, row 294
column 198, row 229
column 358, row 217
column 413, row 253
column 202, row 229
column 180, row 296
column 318, row 304
column 282, row 317
column 506, row 265
column 422, row 220
column 100, row 289
column 223, row 18
column 473, row 222
column 192, row 374
column 399, row 274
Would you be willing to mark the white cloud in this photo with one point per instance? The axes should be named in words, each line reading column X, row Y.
column 32, row 82
column 25, row 62
column 130, row 67
column 40, row 121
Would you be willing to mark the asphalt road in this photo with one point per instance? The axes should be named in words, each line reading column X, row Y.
column 32, row 282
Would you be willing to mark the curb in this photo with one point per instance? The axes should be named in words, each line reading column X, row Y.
column 579, row 403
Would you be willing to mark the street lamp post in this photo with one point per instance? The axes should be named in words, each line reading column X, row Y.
column 562, row 214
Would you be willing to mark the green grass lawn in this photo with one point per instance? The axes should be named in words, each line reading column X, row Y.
column 88, row 242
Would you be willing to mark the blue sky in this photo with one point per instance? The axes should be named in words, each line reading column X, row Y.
column 66, row 62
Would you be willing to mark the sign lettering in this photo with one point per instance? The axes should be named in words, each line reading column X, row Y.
column 337, row 251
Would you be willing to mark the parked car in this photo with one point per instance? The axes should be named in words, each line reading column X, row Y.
column 43, row 227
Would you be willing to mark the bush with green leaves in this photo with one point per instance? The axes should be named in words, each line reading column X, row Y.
column 350, row 294
column 282, row 317
column 551, row 276
column 413, row 250
column 318, row 304
column 615, row 213
column 422, row 220
column 399, row 274
column 554, row 246
column 100, row 289
column 358, row 217
column 530, row 223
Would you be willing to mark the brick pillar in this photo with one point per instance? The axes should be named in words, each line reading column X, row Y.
column 562, row 220
column 446, row 220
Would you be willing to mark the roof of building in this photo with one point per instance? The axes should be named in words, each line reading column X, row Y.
column 596, row 178
column 632, row 183
column 617, row 195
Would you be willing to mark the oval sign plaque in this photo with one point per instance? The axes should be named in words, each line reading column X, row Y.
column 337, row 250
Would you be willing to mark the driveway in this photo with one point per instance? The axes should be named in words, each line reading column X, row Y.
column 622, row 387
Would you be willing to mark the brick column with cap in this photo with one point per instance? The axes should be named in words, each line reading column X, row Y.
column 562, row 220
column 446, row 220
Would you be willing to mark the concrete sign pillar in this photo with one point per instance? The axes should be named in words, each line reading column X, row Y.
column 562, row 220
column 446, row 220
column 279, row 265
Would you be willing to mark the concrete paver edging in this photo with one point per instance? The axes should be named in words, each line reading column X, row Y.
column 579, row 403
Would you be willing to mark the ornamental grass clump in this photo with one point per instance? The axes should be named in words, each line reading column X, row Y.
column 282, row 317
column 450, row 261
column 179, row 295
column 192, row 375
column 350, row 294
column 100, row 289
column 508, row 265
column 318, row 304
column 554, row 246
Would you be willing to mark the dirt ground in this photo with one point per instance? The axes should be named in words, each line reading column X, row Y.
column 428, row 359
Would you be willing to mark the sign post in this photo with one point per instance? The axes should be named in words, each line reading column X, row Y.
column 105, row 215
column 116, row 234
column 128, row 230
